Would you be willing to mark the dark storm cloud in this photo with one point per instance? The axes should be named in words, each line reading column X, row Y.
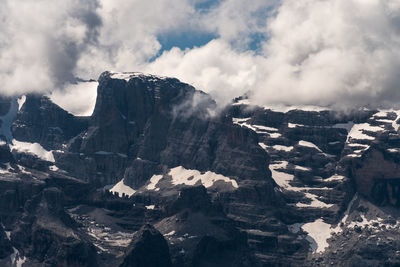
column 64, row 52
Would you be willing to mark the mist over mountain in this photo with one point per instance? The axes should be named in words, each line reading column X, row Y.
column 153, row 178
column 199, row 133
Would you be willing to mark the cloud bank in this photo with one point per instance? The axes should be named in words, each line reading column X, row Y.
column 337, row 53
column 42, row 41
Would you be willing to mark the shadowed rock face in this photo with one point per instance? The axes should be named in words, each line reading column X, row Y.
column 5, row 154
column 148, row 248
column 201, row 234
column 145, row 124
column 213, row 252
column 202, row 179
column 5, row 244
column 48, row 234
column 5, row 105
column 377, row 176
column 41, row 121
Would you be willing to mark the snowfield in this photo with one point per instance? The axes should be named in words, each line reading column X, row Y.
column 120, row 188
column 32, row 148
column 180, row 175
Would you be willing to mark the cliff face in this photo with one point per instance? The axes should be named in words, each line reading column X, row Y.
column 41, row 121
column 377, row 177
column 245, row 186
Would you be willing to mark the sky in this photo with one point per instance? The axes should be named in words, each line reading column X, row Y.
column 330, row 53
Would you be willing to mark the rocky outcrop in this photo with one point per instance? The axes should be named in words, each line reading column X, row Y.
column 5, row 155
column 5, row 105
column 5, row 244
column 213, row 252
column 200, row 233
column 146, row 123
column 47, row 234
column 377, row 177
column 244, row 186
column 194, row 198
column 148, row 248
column 41, row 121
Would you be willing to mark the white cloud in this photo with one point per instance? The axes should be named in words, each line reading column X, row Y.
column 325, row 52
column 236, row 20
column 41, row 41
column 79, row 99
column 314, row 52
column 214, row 68
column 336, row 53
column 128, row 38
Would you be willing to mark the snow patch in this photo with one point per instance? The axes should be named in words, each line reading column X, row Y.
column 121, row 189
column 8, row 234
column 309, row 144
column 129, row 75
column 21, row 102
column 16, row 259
column 180, row 175
column 301, row 168
column 357, row 145
column 263, row 146
column 315, row 203
column 170, row 233
column 265, row 128
column 382, row 113
column 32, row 148
column 239, row 121
column 53, row 168
column 281, row 178
column 354, row 155
column 256, row 128
column 356, row 131
column 124, row 75
column 294, row 125
column 395, row 125
column 248, row 126
column 283, row 148
column 335, row 177
column 275, row 135
column 384, row 121
column 319, row 232
column 153, row 182
column 334, row 143
column 150, row 207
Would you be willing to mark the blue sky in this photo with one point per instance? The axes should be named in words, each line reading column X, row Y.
column 184, row 40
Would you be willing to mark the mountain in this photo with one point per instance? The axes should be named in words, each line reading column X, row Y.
column 158, row 176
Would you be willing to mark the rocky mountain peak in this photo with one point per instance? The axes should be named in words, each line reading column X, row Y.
column 156, row 176
column 148, row 248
